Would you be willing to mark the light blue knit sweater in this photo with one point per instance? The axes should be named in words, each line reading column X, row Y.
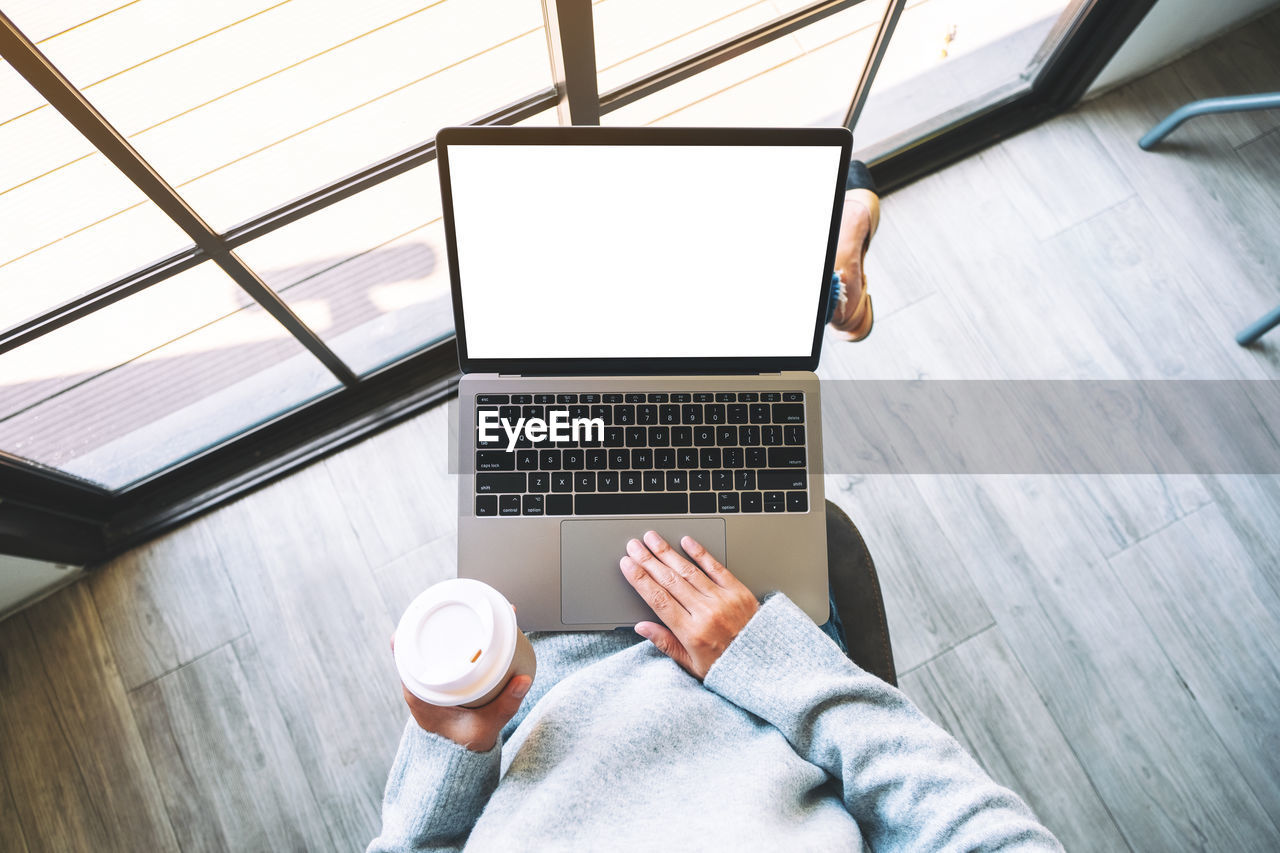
column 787, row 745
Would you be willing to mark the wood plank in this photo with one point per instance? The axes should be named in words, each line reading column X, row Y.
column 91, row 707
column 11, row 837
column 403, row 578
column 1251, row 505
column 49, row 793
column 1217, row 616
column 309, row 598
column 930, row 602
column 166, row 603
column 396, row 487
column 1152, row 755
column 221, row 749
column 979, row 693
column 1052, row 199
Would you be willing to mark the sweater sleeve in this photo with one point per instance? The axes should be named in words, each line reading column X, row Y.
column 435, row 793
column 908, row 783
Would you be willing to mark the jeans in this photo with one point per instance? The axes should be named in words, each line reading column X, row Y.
column 832, row 627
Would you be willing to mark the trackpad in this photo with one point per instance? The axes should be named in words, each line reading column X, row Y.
column 593, row 590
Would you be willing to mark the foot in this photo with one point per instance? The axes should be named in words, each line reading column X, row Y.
column 853, row 316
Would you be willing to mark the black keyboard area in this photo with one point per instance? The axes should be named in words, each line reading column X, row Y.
column 661, row 453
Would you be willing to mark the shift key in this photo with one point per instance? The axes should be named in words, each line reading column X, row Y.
column 782, row 481
column 780, row 457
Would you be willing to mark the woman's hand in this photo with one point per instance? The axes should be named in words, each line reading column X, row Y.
column 475, row 728
column 703, row 606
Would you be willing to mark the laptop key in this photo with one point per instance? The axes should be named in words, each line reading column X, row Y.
column 657, row 398
column 704, row 397
column 751, row 502
column 725, row 396
column 727, row 436
column 584, row 481
column 604, row 413
column 539, row 481
column 549, row 460
column 687, row 457
column 748, row 435
column 793, row 435
column 756, row 457
column 709, row 457
column 499, row 483
column 492, row 399
column 511, row 414
column 737, row 413
column 677, row 481
column 559, row 504
column 607, row 481
column 664, row 457
column 748, row 397
column 637, row 436
column 509, row 505
column 498, row 440
column 634, row 398
column 539, row 412
column 786, row 457
column 775, row 502
column 744, row 480
column 635, row 504
column 588, row 398
column 659, row 436
column 534, row 505
column 788, row 413
column 669, row 415
column 704, row 436
column 612, row 398
column 680, row 398
column 722, row 481
column 544, row 399
column 681, row 436
column 732, row 457
column 783, row 481
column 624, row 415
column 797, row 501
column 647, row 415
column 561, row 481
column 495, row 460
column 771, row 435
column 597, row 460
column 728, row 502
column 641, row 458
column 792, row 397
column 654, row 481
column 630, row 481
column 615, row 436
column 526, row 460
column 702, row 502
column 700, row 481
column 759, row 413
column 690, row 414
column 565, row 399
column 713, row 413
column 770, row 397
column 619, row 460
column 573, row 460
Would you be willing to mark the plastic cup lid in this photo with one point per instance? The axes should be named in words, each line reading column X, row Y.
column 455, row 641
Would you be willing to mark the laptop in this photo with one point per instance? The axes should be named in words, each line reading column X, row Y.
column 639, row 313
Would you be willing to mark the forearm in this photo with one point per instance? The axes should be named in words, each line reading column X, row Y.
column 435, row 793
column 909, row 784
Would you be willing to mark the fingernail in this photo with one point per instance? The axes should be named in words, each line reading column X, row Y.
column 521, row 689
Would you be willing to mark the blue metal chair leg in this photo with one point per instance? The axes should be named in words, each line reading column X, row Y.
column 1208, row 106
column 1260, row 327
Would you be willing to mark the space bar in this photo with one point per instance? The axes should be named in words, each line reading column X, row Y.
column 640, row 504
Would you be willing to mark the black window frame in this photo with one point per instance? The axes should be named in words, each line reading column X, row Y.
column 48, row 514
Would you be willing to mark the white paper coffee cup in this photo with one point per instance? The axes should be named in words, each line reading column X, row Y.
column 458, row 644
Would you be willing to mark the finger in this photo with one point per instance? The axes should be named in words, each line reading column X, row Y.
column 670, row 579
column 508, row 702
column 655, row 594
column 677, row 563
column 709, row 564
column 666, row 643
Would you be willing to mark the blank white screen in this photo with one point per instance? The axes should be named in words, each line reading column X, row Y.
column 639, row 251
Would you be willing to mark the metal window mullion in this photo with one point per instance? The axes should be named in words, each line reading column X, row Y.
column 36, row 68
column 879, row 48
column 572, row 47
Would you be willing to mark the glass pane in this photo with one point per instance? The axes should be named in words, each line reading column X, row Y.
column 151, row 380
column 246, row 104
column 637, row 37
column 806, row 78
column 69, row 221
column 372, row 269
column 946, row 54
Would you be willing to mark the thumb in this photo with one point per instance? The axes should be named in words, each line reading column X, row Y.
column 503, row 708
column 666, row 642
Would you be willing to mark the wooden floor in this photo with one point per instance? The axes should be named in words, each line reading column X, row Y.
column 1108, row 646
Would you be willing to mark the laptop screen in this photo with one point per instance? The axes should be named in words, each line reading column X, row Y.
column 637, row 251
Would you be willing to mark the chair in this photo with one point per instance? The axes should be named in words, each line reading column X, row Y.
column 855, row 594
column 1209, row 106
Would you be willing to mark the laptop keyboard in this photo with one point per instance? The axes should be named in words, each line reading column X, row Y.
column 692, row 453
